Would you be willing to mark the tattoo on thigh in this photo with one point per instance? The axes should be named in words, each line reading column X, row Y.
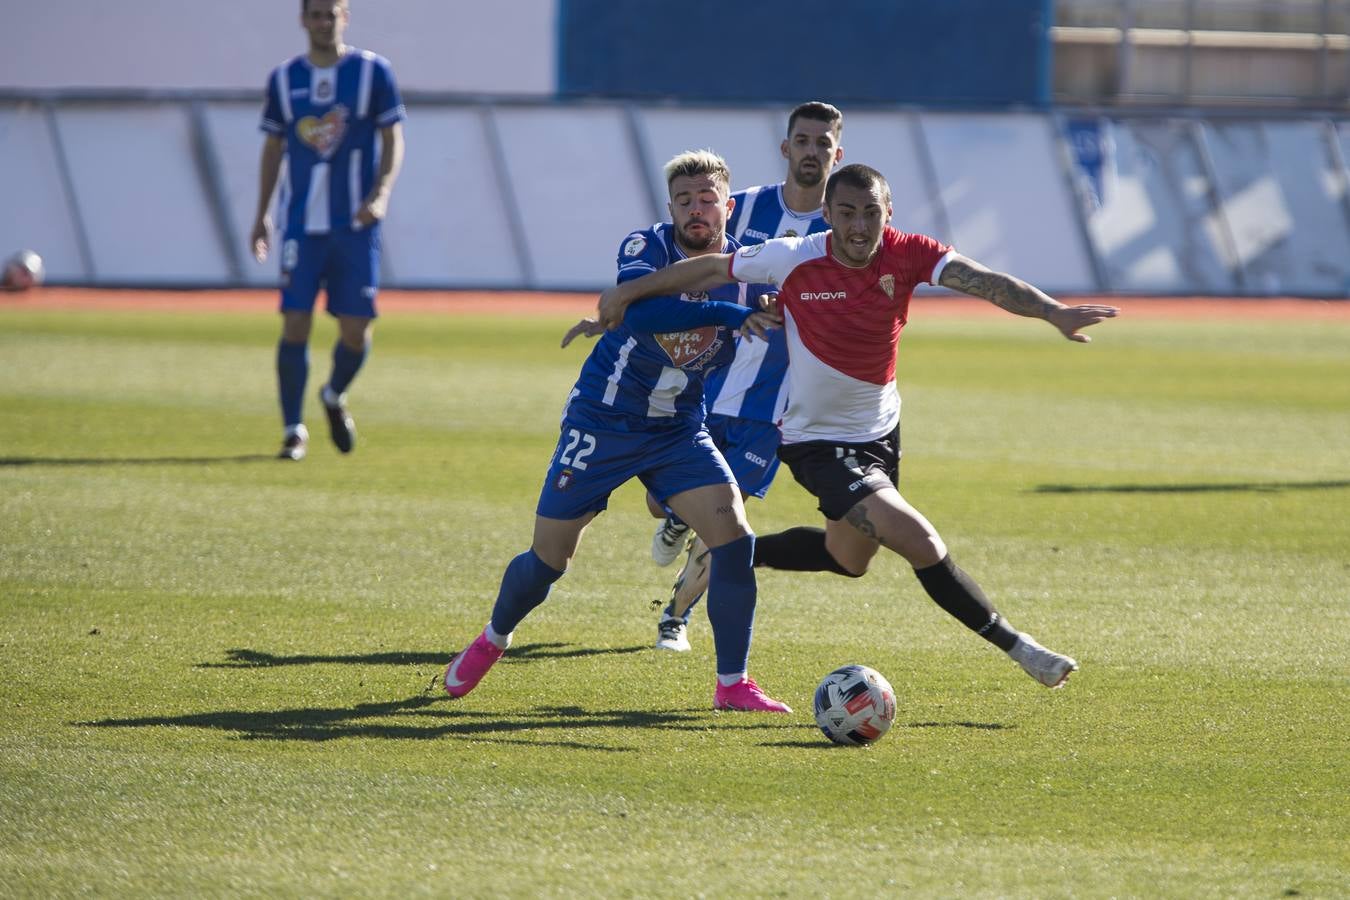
column 725, row 510
column 857, row 517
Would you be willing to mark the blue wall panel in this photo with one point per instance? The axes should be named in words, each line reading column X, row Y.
column 948, row 53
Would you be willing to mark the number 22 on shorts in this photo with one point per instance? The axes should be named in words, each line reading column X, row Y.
column 579, row 446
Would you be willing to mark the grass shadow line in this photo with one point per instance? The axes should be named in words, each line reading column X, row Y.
column 129, row 461
column 414, row 719
column 1259, row 487
column 246, row 658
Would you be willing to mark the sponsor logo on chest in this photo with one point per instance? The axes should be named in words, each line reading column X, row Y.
column 324, row 134
column 824, row 295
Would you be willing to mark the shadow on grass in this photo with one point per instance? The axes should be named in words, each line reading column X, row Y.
column 1260, row 487
column 243, row 658
column 429, row 718
column 822, row 743
column 129, row 461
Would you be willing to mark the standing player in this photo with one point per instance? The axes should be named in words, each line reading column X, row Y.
column 323, row 112
column 746, row 399
column 845, row 297
column 637, row 410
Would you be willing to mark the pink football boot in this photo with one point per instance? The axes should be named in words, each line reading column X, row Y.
column 745, row 696
column 469, row 667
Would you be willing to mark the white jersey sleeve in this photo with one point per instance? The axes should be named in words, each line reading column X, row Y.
column 771, row 261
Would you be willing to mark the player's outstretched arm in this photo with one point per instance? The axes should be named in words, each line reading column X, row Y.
column 1022, row 299
column 697, row 273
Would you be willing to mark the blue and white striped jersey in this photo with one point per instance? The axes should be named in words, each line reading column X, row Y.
column 645, row 371
column 754, row 386
column 329, row 119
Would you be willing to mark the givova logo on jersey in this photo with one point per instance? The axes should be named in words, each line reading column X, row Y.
column 324, row 134
column 690, row 349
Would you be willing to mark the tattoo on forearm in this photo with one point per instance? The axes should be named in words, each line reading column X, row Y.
column 1004, row 291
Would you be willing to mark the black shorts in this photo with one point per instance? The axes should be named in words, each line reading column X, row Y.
column 840, row 475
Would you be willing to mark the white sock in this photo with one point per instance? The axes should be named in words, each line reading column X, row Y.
column 300, row 430
column 497, row 640
column 330, row 398
column 729, row 680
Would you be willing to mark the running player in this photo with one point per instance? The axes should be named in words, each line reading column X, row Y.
column 845, row 298
column 637, row 411
column 323, row 112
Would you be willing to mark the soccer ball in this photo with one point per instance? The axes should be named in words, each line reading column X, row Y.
column 855, row 705
column 22, row 271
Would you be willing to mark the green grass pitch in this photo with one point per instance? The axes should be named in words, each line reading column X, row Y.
column 213, row 664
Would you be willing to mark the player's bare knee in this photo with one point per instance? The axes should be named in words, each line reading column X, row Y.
column 855, row 571
column 555, row 559
column 921, row 554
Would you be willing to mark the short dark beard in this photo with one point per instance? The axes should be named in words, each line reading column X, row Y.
column 714, row 238
column 808, row 179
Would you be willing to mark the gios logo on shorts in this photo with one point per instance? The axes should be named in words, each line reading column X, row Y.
column 757, row 460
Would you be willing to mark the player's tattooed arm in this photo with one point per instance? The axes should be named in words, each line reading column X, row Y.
column 1002, row 290
column 1022, row 299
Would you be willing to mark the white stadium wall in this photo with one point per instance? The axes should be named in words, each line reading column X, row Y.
column 1228, row 206
column 36, row 210
column 539, row 194
column 1004, row 187
column 133, row 152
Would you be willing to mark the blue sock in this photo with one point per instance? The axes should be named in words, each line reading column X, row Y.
column 524, row 586
column 731, row 603
column 292, row 373
column 346, row 363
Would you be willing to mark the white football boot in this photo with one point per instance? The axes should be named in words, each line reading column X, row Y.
column 1046, row 666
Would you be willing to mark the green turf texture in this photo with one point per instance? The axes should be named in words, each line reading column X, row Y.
column 213, row 664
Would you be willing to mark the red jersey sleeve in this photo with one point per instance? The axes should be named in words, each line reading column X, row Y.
column 917, row 257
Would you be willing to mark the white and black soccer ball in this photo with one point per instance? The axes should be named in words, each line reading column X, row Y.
column 855, row 705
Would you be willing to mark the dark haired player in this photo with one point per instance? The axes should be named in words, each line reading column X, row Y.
column 747, row 398
column 323, row 113
column 845, row 295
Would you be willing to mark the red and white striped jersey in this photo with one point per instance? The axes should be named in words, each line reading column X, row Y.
column 843, row 325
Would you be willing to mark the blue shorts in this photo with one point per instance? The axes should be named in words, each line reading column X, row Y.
column 751, row 449
column 592, row 461
column 345, row 263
